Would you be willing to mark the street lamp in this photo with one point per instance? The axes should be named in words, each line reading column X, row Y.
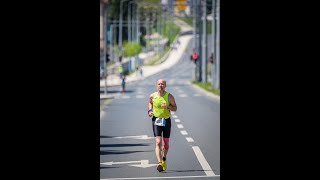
column 104, row 4
column 120, row 26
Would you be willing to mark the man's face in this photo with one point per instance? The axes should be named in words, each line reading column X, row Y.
column 161, row 84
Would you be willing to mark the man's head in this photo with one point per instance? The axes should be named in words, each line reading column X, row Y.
column 161, row 85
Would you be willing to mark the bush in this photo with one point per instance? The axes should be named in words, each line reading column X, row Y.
column 132, row 49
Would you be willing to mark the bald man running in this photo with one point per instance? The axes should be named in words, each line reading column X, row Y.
column 160, row 105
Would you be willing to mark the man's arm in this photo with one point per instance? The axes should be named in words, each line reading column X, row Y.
column 172, row 103
column 150, row 106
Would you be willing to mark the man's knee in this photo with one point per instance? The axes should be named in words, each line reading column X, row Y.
column 158, row 141
column 166, row 143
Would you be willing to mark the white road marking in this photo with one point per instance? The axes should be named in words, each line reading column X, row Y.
column 125, row 97
column 144, row 137
column 203, row 162
column 175, row 116
column 189, row 139
column 184, row 132
column 172, row 112
column 183, row 95
column 140, row 96
column 197, row 95
column 177, row 120
column 140, row 92
column 172, row 177
column 180, row 126
column 143, row 163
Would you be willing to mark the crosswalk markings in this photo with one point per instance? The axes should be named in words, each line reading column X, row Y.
column 140, row 96
column 125, row 97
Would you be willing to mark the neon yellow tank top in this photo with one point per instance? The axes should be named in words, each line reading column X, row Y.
column 158, row 111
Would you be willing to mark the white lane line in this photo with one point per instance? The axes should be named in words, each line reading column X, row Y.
column 180, row 126
column 172, row 177
column 189, row 139
column 177, row 120
column 175, row 116
column 196, row 95
column 140, row 92
column 140, row 96
column 183, row 95
column 125, row 97
column 184, row 132
column 203, row 162
column 172, row 112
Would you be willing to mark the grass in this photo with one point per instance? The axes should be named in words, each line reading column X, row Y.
column 156, row 60
column 189, row 21
column 208, row 87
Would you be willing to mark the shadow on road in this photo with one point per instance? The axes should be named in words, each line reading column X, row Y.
column 107, row 167
column 106, row 136
column 108, row 152
column 173, row 171
column 122, row 145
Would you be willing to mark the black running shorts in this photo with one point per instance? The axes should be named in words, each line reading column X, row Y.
column 158, row 130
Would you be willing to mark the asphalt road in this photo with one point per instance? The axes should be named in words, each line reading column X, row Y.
column 126, row 138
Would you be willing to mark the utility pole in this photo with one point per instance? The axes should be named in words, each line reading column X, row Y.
column 195, row 36
column 138, row 25
column 199, row 31
column 104, row 19
column 129, row 21
column 120, row 26
column 204, row 41
column 214, row 65
column 218, row 46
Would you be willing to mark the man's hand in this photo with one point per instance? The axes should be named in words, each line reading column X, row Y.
column 164, row 106
column 150, row 113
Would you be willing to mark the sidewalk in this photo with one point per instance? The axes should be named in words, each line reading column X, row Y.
column 172, row 59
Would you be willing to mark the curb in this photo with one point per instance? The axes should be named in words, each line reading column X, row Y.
column 216, row 97
column 104, row 97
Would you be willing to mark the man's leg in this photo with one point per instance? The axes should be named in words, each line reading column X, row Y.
column 159, row 152
column 165, row 147
column 158, row 148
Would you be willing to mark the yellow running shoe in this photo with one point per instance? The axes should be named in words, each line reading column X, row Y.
column 164, row 165
column 160, row 167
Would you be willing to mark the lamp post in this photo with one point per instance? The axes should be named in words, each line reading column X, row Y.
column 120, row 26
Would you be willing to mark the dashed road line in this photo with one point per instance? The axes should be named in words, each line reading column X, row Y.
column 189, row 139
column 180, row 126
column 184, row 132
